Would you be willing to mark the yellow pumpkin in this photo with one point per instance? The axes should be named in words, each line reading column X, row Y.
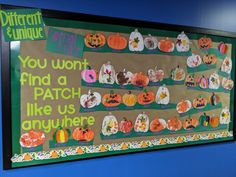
column 129, row 99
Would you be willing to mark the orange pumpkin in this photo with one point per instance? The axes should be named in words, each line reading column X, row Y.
column 190, row 123
column 140, row 79
column 157, row 125
column 204, row 43
column 214, row 121
column 94, row 40
column 166, row 45
column 209, row 59
column 61, row 135
column 111, row 99
column 116, row 41
column 129, row 99
column 174, row 124
column 199, row 102
column 83, row 134
column 146, row 97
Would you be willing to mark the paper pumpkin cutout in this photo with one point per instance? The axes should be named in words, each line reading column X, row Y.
column 125, row 125
column 214, row 121
column 223, row 48
column 140, row 79
column 225, row 116
column 183, row 106
column 174, row 124
column 163, row 95
column 124, row 77
column 89, row 75
column 190, row 123
column 214, row 81
column 199, row 102
column 214, row 99
column 116, row 41
column 204, row 43
column 141, row 123
column 94, row 40
column 150, row 42
column 155, row 75
column 111, row 99
column 190, row 80
column 182, row 43
column 61, row 135
column 145, row 97
column 209, row 59
column 203, row 82
column 226, row 65
column 166, row 45
column 32, row 139
column 177, row 74
column 129, row 99
column 204, row 119
column 157, row 125
column 194, row 60
column 84, row 134
column 227, row 84
column 136, row 42
column 109, row 125
column 107, row 74
column 90, row 100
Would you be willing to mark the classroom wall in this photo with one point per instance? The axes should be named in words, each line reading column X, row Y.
column 216, row 160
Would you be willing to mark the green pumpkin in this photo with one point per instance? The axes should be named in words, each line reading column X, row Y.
column 204, row 119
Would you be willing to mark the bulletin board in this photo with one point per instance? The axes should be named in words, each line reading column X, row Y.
column 99, row 86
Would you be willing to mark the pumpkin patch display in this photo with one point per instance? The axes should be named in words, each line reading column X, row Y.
column 89, row 75
column 214, row 121
column 190, row 123
column 203, row 82
column 194, row 61
column 190, row 80
column 111, row 99
column 140, row 80
column 107, row 74
column 226, row 65
column 155, row 75
column 199, row 102
column 177, row 74
column 32, row 139
column 90, row 100
column 110, row 125
column 204, row 43
column 125, row 125
column 223, row 48
column 94, row 40
column 157, row 125
column 225, row 116
column 174, row 124
column 214, row 99
column 150, row 42
column 129, row 99
column 61, row 135
column 136, row 42
column 141, row 123
column 124, row 77
column 116, row 41
column 182, row 43
column 204, row 119
column 163, row 95
column 146, row 97
column 214, row 81
column 209, row 59
column 83, row 134
column 183, row 106
column 166, row 45
column 227, row 83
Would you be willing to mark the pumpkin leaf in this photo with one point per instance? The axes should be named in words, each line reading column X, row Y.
column 136, row 40
column 69, row 132
column 55, row 135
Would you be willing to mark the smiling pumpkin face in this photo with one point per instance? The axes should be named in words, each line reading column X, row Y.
column 199, row 103
column 209, row 59
column 204, row 43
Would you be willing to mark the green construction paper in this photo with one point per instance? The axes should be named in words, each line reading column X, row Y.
column 33, row 149
column 200, row 68
column 70, row 142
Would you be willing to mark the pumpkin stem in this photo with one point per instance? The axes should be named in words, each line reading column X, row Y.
column 124, row 118
column 129, row 92
column 145, row 90
column 117, row 34
column 85, row 126
column 89, row 67
column 112, row 92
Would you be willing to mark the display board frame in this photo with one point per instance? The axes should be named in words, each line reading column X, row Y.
column 6, row 72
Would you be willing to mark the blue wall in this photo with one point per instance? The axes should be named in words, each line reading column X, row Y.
column 205, row 161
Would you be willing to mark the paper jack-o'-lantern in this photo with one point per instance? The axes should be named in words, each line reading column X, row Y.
column 163, row 95
column 124, row 77
column 204, row 43
column 83, row 134
column 141, row 123
column 199, row 102
column 155, row 75
column 107, row 74
column 136, row 42
column 209, row 59
column 227, row 83
column 111, row 99
column 190, row 123
column 94, row 40
column 140, row 80
column 194, row 61
column 226, row 65
column 110, row 125
column 116, row 41
column 190, row 80
column 166, row 45
column 90, row 100
column 150, row 42
column 214, row 81
column 174, row 124
column 145, row 97
column 225, row 116
column 89, row 75
column 182, row 43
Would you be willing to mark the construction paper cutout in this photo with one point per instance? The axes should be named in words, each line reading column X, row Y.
column 141, row 123
column 226, row 65
column 203, row 82
column 183, row 106
column 190, row 80
column 182, row 43
column 204, row 43
column 214, row 121
column 111, row 99
column 202, row 67
column 116, row 41
column 194, row 60
column 124, row 77
column 214, row 99
column 32, row 149
column 177, row 74
column 107, row 74
column 155, row 75
column 61, row 135
column 166, row 45
column 190, row 123
column 136, row 42
column 129, row 99
column 140, row 79
column 223, row 48
column 227, row 84
column 94, row 40
column 199, row 102
column 84, row 134
column 64, row 42
column 109, row 125
column 163, row 95
column 125, row 126
column 69, row 143
column 89, row 75
column 174, row 124
column 225, row 116
column 209, row 59
column 214, row 81
column 204, row 120
column 90, row 100
column 146, row 97
column 150, row 42
column 32, row 139
column 157, row 125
